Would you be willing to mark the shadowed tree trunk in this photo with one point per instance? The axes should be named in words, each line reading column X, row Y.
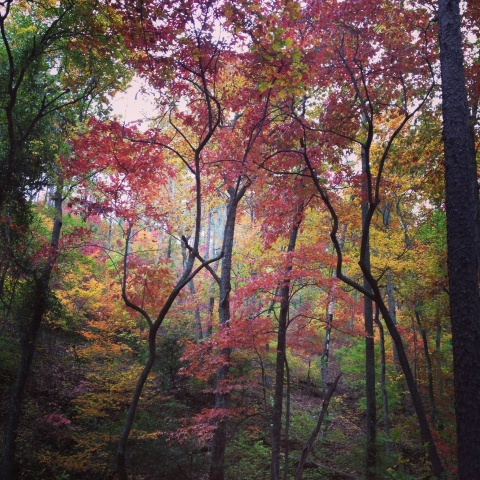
column 287, row 421
column 461, row 206
column 370, row 397
column 211, row 247
column 438, row 359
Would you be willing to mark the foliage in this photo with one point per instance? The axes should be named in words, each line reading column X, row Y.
column 291, row 103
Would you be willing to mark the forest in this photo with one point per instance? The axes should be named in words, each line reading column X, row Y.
column 272, row 273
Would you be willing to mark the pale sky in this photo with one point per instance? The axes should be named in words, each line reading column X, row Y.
column 132, row 104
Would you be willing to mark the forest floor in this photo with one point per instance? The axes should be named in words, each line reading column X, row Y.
column 339, row 450
column 66, row 438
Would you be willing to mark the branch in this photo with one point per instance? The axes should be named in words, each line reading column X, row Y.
column 333, row 232
column 206, row 263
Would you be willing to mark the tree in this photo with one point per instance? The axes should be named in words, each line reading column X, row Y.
column 346, row 58
column 221, row 396
column 461, row 204
column 323, row 106
column 284, row 291
column 54, row 57
column 47, row 87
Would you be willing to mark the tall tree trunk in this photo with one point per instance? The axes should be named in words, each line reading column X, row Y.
column 211, row 247
column 461, row 202
column 221, row 398
column 287, row 421
column 211, row 306
column 426, row 433
column 284, row 294
column 28, row 340
column 472, row 122
column 371, row 407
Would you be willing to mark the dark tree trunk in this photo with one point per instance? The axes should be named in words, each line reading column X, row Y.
column 211, row 252
column 389, row 289
column 287, row 422
column 461, row 203
column 284, row 294
column 472, row 122
column 415, row 366
column 211, row 306
column 371, row 407
column 28, row 340
column 132, row 409
column 221, row 399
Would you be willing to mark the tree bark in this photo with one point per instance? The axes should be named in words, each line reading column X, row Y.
column 371, row 407
column 461, row 202
column 438, row 359
column 287, row 421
